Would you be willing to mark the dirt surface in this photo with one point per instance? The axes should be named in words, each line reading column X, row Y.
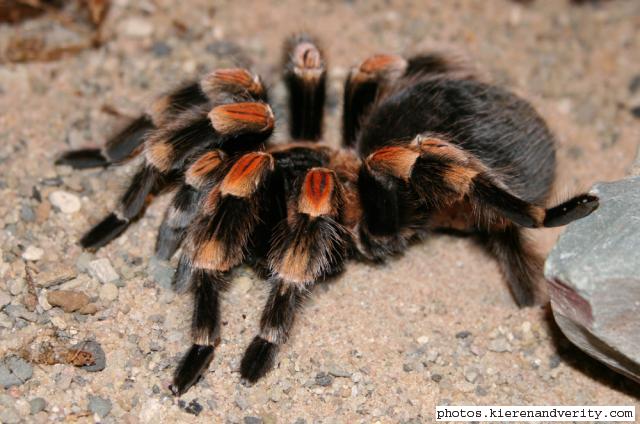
column 379, row 344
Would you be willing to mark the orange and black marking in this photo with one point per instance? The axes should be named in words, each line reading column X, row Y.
column 382, row 63
column 247, row 117
column 232, row 80
column 202, row 167
column 395, row 160
column 318, row 193
column 246, row 174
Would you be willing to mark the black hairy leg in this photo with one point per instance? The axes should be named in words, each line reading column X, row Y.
column 199, row 178
column 518, row 261
column 180, row 141
column 216, row 242
column 205, row 328
column 128, row 141
column 433, row 174
column 306, row 79
column 275, row 325
column 307, row 246
column 362, row 87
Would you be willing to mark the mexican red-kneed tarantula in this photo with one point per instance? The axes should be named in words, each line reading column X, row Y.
column 426, row 145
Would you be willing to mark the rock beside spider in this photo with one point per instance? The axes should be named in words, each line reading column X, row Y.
column 594, row 278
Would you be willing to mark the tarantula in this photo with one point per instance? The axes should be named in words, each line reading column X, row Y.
column 426, row 146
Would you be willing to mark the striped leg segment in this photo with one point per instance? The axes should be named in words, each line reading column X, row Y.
column 218, row 240
column 309, row 245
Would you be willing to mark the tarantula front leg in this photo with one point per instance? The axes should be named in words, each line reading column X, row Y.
column 308, row 245
column 362, row 87
column 231, row 127
column 305, row 76
column 127, row 142
column 217, row 241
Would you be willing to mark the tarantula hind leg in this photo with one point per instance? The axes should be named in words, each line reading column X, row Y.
column 520, row 264
column 310, row 244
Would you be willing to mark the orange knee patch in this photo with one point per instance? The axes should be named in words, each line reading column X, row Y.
column 395, row 160
column 231, row 80
column 246, row 174
column 316, row 197
column 159, row 155
column 205, row 164
column 242, row 118
column 383, row 63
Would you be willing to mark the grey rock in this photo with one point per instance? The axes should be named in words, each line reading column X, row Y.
column 336, row 371
column 7, row 379
column 102, row 270
column 98, row 355
column 14, row 371
column 594, row 278
column 99, row 405
column 19, row 311
column 252, row 420
column 37, row 404
column 323, row 379
column 27, row 214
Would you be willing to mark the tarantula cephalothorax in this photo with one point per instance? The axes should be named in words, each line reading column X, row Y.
column 426, row 145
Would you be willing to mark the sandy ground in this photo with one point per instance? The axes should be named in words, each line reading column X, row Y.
column 379, row 344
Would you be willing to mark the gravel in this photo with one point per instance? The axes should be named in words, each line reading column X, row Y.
column 37, row 404
column 69, row 301
column 99, row 405
column 32, row 253
column 14, row 371
column 102, row 270
column 65, row 202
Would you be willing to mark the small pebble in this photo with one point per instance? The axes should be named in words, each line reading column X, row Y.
column 109, row 292
column 32, row 253
column 323, row 379
column 161, row 49
column 102, row 270
column 635, row 111
column 99, row 405
column 499, row 344
column 69, row 301
column 65, row 202
column 463, row 334
column 14, row 371
column 27, row 214
column 253, row 420
column 37, row 404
